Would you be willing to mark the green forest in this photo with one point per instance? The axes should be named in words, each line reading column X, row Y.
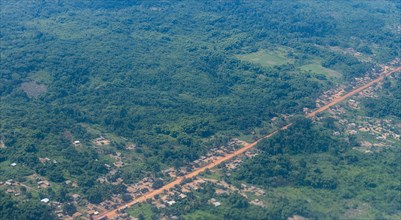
column 314, row 162
column 175, row 79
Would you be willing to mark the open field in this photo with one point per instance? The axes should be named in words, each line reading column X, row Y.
column 142, row 209
column 267, row 58
column 318, row 69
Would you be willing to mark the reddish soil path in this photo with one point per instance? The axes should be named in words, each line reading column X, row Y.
column 151, row 194
column 356, row 91
column 111, row 214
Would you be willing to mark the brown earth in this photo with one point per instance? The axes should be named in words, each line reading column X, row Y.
column 33, row 89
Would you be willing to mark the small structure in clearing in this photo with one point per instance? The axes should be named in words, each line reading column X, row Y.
column 100, row 141
column 45, row 200
column 2, row 145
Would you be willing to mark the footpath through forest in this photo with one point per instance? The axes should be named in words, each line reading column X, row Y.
column 112, row 213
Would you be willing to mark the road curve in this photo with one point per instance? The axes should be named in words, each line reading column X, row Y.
column 151, row 194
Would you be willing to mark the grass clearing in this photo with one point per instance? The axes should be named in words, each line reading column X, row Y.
column 142, row 208
column 33, row 89
column 9, row 172
column 201, row 215
column 319, row 69
column 268, row 58
column 213, row 174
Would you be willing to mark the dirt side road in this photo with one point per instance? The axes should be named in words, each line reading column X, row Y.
column 111, row 214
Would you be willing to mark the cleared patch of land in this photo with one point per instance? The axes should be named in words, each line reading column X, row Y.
column 319, row 69
column 143, row 209
column 33, row 89
column 282, row 56
column 267, row 58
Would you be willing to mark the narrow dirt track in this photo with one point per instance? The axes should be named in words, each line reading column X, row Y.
column 151, row 194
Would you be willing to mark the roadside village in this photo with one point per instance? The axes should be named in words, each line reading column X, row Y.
column 374, row 133
column 383, row 133
column 340, row 90
column 181, row 192
column 87, row 210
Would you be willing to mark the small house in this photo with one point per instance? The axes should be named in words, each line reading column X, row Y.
column 217, row 204
column 170, row 203
column 182, row 196
column 76, row 215
column 75, row 196
column 45, row 200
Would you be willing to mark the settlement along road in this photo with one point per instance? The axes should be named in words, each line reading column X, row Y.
column 112, row 213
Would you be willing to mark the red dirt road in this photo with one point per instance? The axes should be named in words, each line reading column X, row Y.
column 196, row 172
column 356, row 91
column 111, row 214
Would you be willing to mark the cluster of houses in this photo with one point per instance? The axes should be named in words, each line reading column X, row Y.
column 217, row 153
column 46, row 160
column 170, row 198
column 140, row 188
column 359, row 81
column 353, row 52
column 233, row 164
column 330, row 95
column 100, row 141
column 252, row 189
column 382, row 132
column 222, row 188
column 130, row 146
column 14, row 187
column 11, row 187
column 179, row 192
column 145, row 185
column 327, row 97
column 354, row 104
column 118, row 160
column 212, row 155
column 395, row 62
